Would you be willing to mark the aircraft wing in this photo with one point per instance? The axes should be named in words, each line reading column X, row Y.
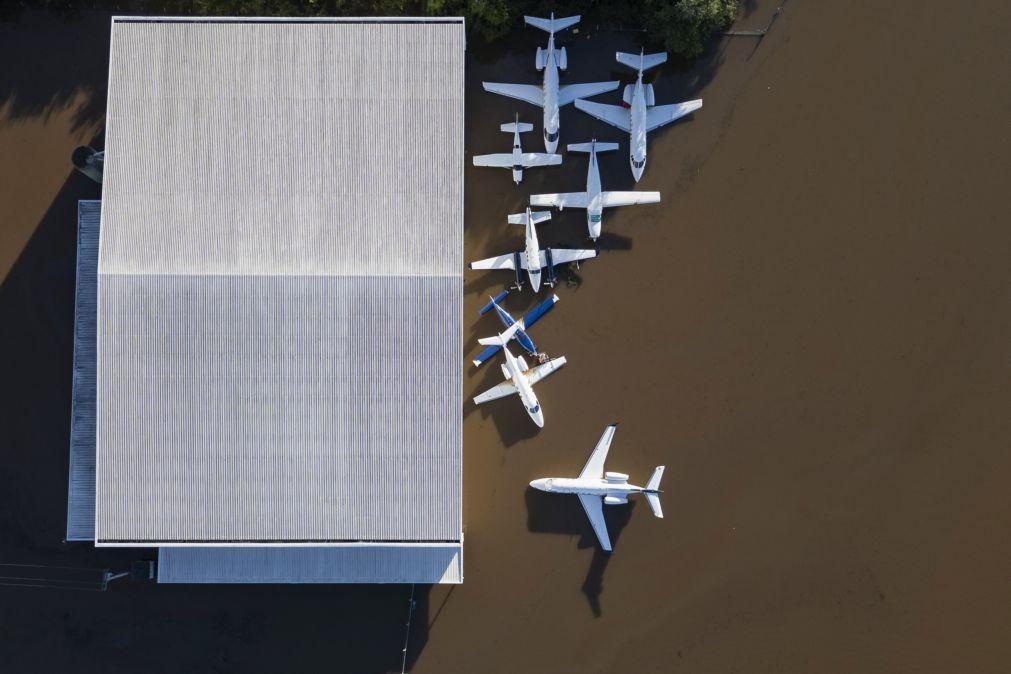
column 532, row 317
column 594, row 507
column 562, row 200
column 594, row 468
column 531, row 159
column 659, row 115
column 497, row 262
column 496, row 392
column 615, row 115
column 570, row 92
column 541, row 371
column 609, row 199
column 500, row 160
column 566, row 255
column 531, row 93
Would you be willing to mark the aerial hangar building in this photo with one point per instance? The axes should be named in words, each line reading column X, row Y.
column 267, row 377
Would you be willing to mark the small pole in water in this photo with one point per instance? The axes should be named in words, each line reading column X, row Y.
column 407, row 633
column 89, row 162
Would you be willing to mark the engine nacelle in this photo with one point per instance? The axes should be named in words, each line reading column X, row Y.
column 562, row 59
column 648, row 94
column 615, row 477
column 626, row 95
column 615, row 500
column 505, row 372
column 540, row 59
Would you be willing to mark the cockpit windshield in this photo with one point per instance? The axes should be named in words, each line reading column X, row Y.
column 550, row 137
column 535, row 409
column 638, row 164
column 595, row 217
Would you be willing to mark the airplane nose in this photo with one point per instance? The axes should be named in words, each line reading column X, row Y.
column 539, row 419
column 637, row 172
column 538, row 484
column 594, row 230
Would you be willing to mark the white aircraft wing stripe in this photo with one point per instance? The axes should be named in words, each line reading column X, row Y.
column 566, row 255
column 542, row 371
column 594, row 507
column 530, row 93
column 571, row 92
column 594, row 468
column 530, row 159
column 659, row 115
column 615, row 115
column 561, row 200
column 497, row 262
column 610, row 199
column 496, row 392
column 501, row 160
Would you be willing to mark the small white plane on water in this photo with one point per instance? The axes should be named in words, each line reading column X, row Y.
column 595, row 488
column 533, row 258
column 520, row 378
column 640, row 114
column 593, row 199
column 550, row 95
column 517, row 160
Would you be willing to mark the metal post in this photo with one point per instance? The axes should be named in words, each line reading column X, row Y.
column 407, row 633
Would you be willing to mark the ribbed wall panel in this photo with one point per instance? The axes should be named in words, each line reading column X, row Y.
column 272, row 408
column 81, row 480
column 280, row 283
column 360, row 564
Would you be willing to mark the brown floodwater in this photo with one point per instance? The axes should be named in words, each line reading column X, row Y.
column 811, row 332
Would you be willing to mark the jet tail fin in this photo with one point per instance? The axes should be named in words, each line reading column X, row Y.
column 513, row 127
column 552, row 25
column 589, row 147
column 641, row 62
column 494, row 300
column 653, row 492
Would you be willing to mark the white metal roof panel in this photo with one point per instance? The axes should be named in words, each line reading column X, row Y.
column 280, row 283
column 355, row 564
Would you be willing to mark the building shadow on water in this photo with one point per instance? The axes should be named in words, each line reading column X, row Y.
column 563, row 514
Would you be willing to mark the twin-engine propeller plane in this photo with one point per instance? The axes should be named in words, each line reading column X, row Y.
column 640, row 114
column 517, row 160
column 594, row 200
column 520, row 378
column 525, row 324
column 595, row 488
column 532, row 259
column 550, row 95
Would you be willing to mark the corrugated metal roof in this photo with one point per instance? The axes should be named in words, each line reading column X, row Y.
column 81, row 481
column 280, row 283
column 358, row 564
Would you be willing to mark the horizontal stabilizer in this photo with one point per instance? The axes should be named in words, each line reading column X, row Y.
column 590, row 147
column 552, row 25
column 495, row 300
column 654, row 504
column 641, row 62
column 536, row 217
column 503, row 338
column 513, row 127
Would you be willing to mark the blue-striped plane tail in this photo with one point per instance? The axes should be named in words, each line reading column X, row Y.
column 521, row 335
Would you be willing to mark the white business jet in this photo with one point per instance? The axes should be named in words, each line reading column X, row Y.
column 517, row 160
column 533, row 258
column 550, row 95
column 593, row 199
column 520, row 378
column 595, row 488
column 640, row 114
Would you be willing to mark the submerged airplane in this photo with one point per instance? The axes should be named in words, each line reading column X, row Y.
column 593, row 199
column 596, row 488
column 550, row 95
column 533, row 258
column 640, row 114
column 517, row 160
column 520, row 378
column 525, row 324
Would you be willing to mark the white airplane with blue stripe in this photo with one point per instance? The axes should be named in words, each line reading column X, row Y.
column 520, row 377
column 550, row 95
column 596, row 488
column 640, row 114
column 532, row 259
column 517, row 160
column 525, row 323
column 594, row 200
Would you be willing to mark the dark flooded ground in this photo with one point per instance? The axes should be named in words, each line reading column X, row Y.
column 811, row 332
